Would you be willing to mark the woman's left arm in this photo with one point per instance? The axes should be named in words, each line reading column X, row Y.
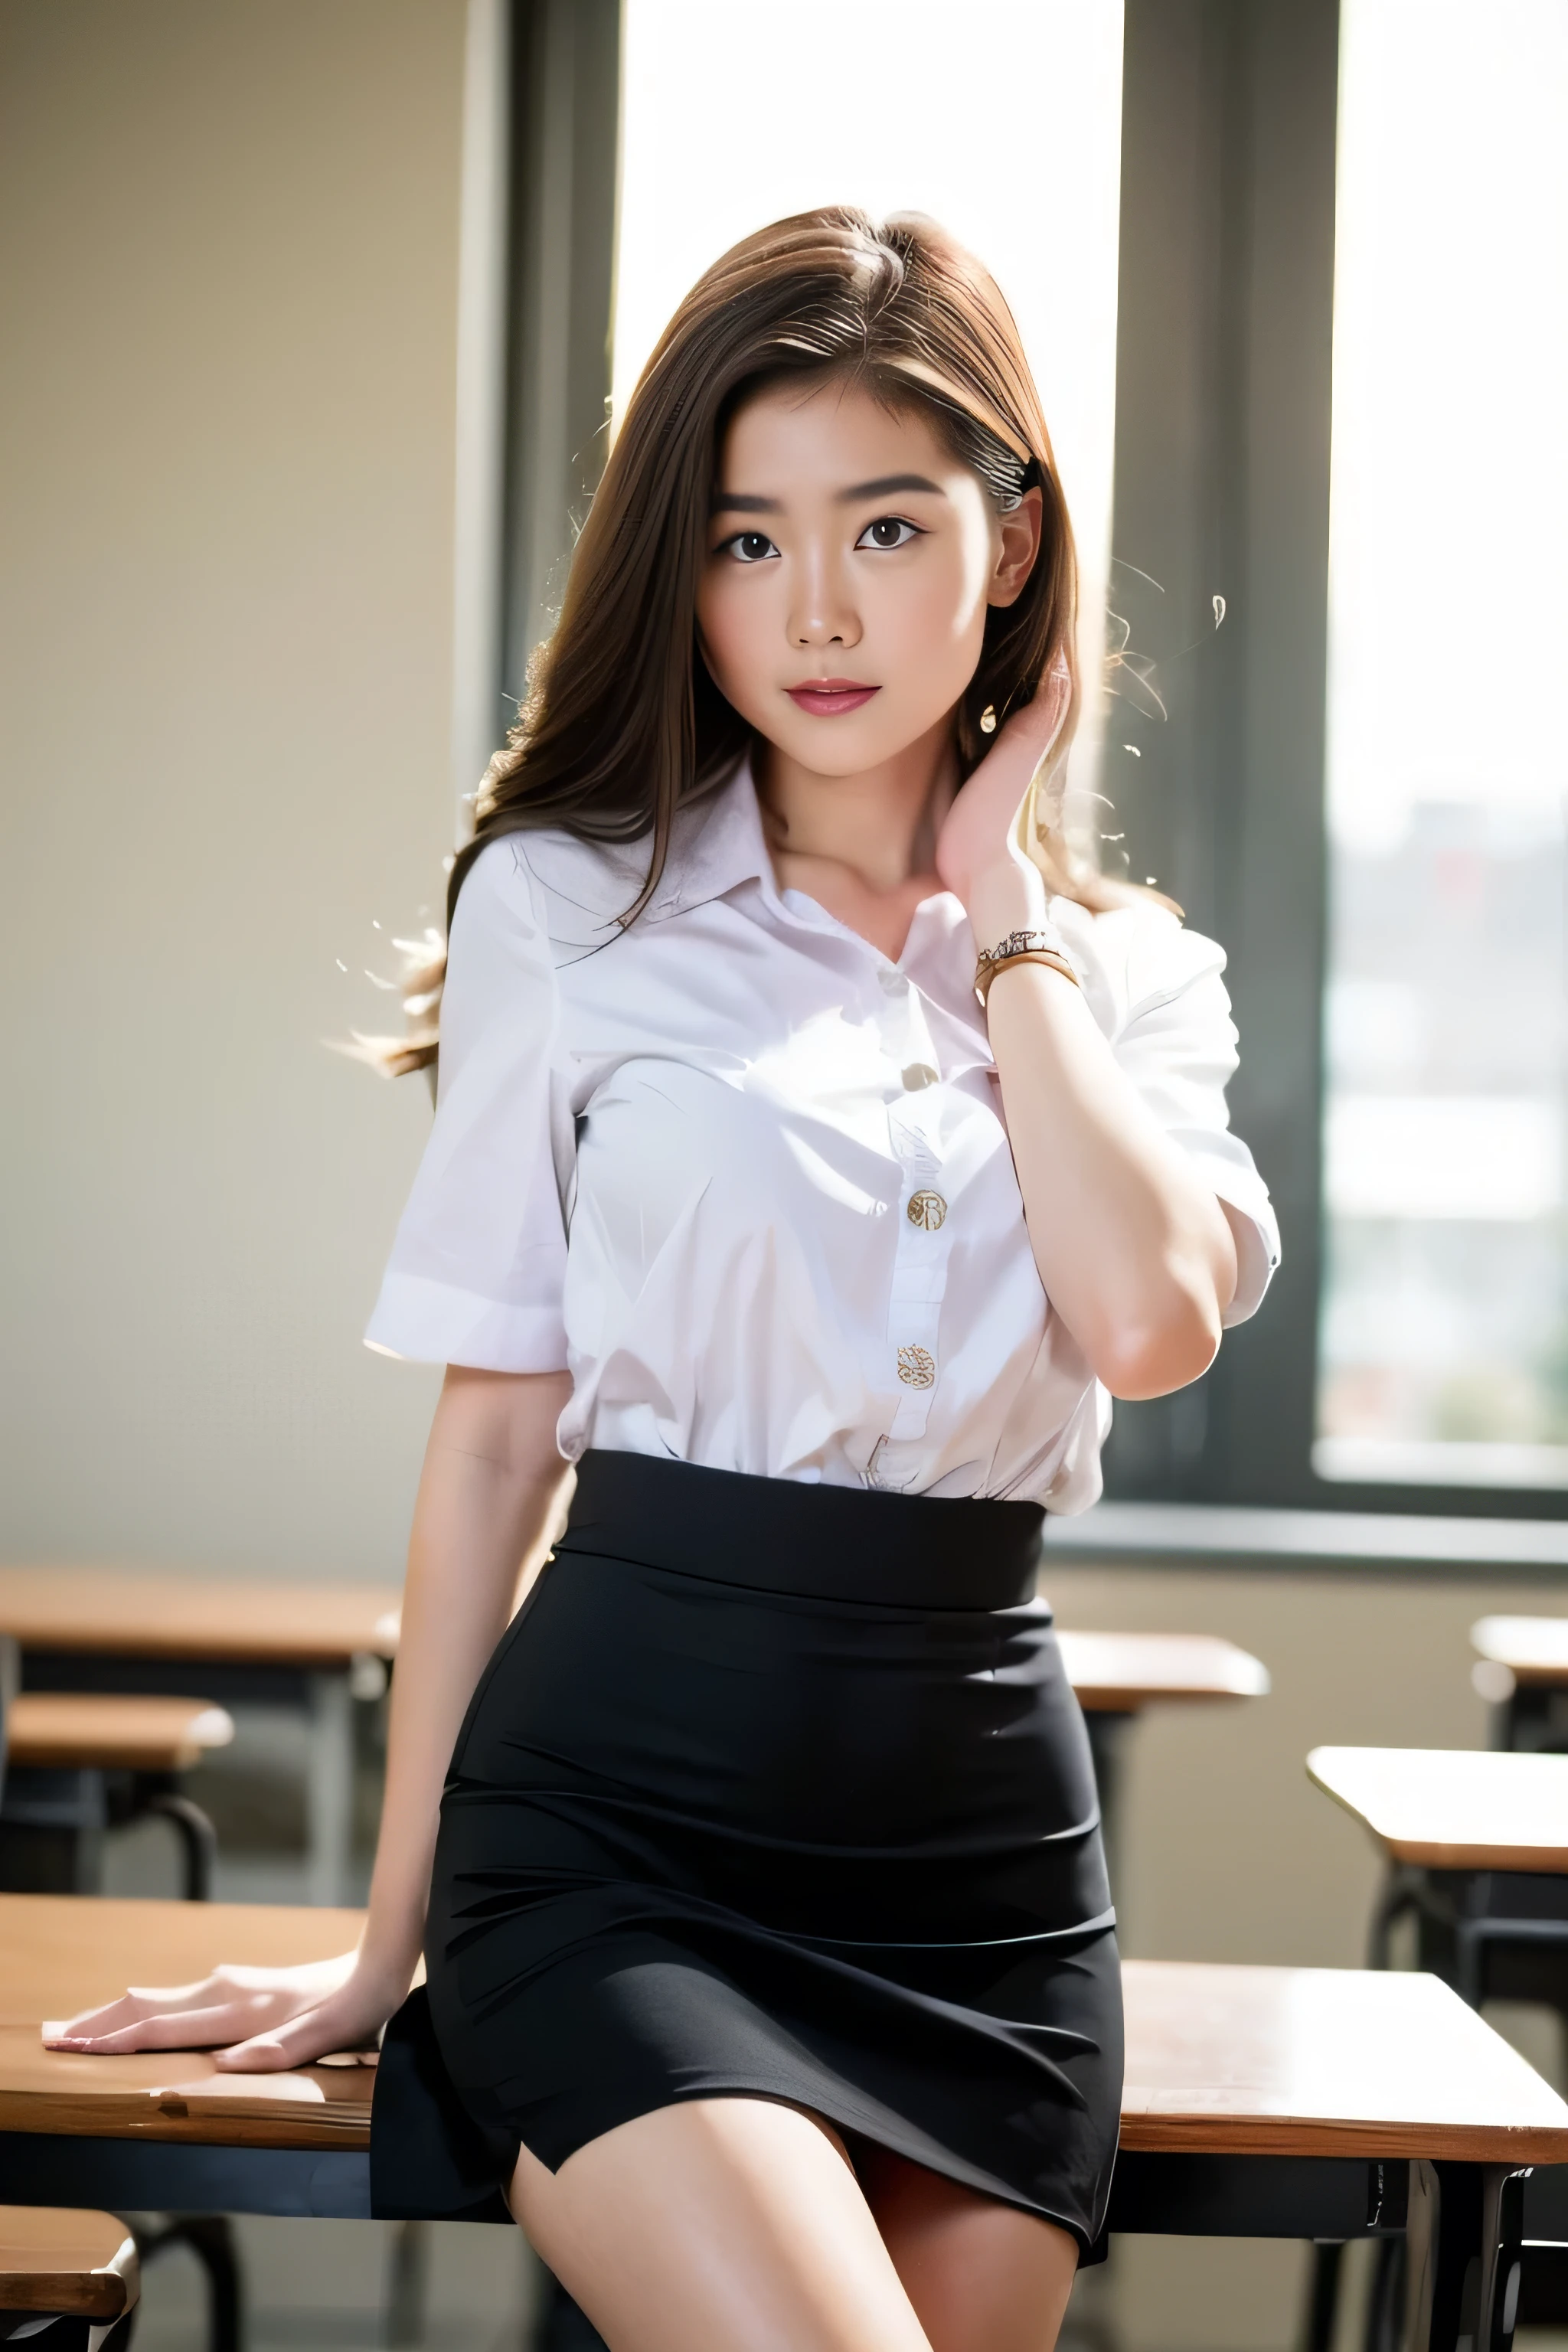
column 1135, row 1251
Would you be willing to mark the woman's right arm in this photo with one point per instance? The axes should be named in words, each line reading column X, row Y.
column 487, row 1509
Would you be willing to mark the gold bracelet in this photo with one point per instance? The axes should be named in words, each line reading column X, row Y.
column 1022, row 946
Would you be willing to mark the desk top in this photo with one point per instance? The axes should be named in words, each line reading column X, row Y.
column 131, row 1612
column 59, row 1952
column 1325, row 2061
column 56, row 2257
column 1122, row 1673
column 1454, row 1808
column 113, row 1734
column 1279, row 2061
column 1534, row 1649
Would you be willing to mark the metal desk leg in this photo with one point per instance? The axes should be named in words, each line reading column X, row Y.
column 330, row 1789
column 198, row 1840
column 210, row 2238
column 409, row 2293
column 1464, row 2246
column 1327, row 2261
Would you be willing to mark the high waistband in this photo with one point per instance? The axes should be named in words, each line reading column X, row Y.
column 827, row 1543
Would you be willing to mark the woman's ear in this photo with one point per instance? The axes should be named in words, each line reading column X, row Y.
column 1021, row 533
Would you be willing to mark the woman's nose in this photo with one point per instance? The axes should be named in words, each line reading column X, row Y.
column 821, row 612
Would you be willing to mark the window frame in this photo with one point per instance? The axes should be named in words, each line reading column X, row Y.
column 1224, row 400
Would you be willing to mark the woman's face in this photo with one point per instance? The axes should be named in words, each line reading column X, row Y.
column 851, row 560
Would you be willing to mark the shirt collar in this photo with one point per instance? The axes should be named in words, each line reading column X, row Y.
column 714, row 847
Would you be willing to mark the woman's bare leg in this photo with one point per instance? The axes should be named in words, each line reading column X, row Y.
column 982, row 2276
column 720, row 2225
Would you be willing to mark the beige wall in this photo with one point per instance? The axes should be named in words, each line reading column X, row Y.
column 230, row 272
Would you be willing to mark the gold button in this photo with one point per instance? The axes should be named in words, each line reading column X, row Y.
column 928, row 1211
column 917, row 1369
column 919, row 1075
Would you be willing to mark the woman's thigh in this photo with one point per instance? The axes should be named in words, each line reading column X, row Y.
column 720, row 2225
column 982, row 2275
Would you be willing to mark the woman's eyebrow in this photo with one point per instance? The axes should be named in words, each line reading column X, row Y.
column 743, row 502
column 885, row 484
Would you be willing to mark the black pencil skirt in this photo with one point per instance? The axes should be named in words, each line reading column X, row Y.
column 781, row 1790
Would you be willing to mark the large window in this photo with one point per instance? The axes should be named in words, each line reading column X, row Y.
column 1442, row 1353
column 736, row 112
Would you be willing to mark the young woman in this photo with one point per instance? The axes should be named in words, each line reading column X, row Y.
column 816, row 1148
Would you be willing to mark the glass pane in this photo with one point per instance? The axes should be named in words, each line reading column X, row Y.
column 736, row 112
column 1444, row 1340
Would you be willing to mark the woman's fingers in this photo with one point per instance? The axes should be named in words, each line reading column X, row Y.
column 232, row 2005
column 320, row 2032
column 141, row 2002
column 180, row 2029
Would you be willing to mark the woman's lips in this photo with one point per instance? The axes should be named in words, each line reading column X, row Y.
column 826, row 697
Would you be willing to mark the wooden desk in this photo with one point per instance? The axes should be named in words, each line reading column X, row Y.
column 1534, row 1649
column 1453, row 1808
column 1259, row 2102
column 58, row 1728
column 1122, row 1673
column 1477, row 1845
column 55, row 2259
column 1521, row 1667
column 134, row 1613
column 1117, row 1676
column 235, row 1641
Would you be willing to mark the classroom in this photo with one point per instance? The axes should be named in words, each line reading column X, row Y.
column 359, row 356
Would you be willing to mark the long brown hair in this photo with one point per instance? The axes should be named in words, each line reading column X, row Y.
column 621, row 724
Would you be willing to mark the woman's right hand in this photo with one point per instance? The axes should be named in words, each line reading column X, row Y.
column 255, row 2020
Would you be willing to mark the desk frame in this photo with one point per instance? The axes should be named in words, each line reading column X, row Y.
column 1466, row 2223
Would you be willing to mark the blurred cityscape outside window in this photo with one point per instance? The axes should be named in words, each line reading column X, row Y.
column 1442, row 1350
column 736, row 112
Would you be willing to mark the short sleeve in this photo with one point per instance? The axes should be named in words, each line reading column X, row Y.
column 478, row 1266
column 1156, row 990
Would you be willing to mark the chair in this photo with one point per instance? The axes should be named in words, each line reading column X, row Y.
column 81, row 1763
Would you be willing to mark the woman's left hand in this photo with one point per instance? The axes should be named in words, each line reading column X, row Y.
column 978, row 837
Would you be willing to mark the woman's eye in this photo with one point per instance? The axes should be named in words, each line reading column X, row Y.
column 750, row 547
column 888, row 530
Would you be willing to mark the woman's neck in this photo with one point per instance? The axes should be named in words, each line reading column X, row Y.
column 863, row 846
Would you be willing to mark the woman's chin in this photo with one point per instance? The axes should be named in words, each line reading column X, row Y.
column 848, row 745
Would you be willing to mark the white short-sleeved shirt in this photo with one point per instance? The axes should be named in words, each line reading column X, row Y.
column 749, row 1181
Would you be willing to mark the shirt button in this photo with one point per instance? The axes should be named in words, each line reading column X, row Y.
column 892, row 979
column 928, row 1211
column 918, row 1075
column 917, row 1368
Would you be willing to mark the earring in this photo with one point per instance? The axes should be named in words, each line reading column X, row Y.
column 988, row 719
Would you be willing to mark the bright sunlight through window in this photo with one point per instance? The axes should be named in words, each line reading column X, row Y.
column 1444, row 1346
column 740, row 112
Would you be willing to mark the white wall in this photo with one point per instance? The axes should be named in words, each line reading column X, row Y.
column 229, row 251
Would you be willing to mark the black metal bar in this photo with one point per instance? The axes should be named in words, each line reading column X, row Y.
column 198, row 1840
column 210, row 2238
column 227, row 1684
column 182, row 2176
column 1323, row 2302
column 1259, row 2195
